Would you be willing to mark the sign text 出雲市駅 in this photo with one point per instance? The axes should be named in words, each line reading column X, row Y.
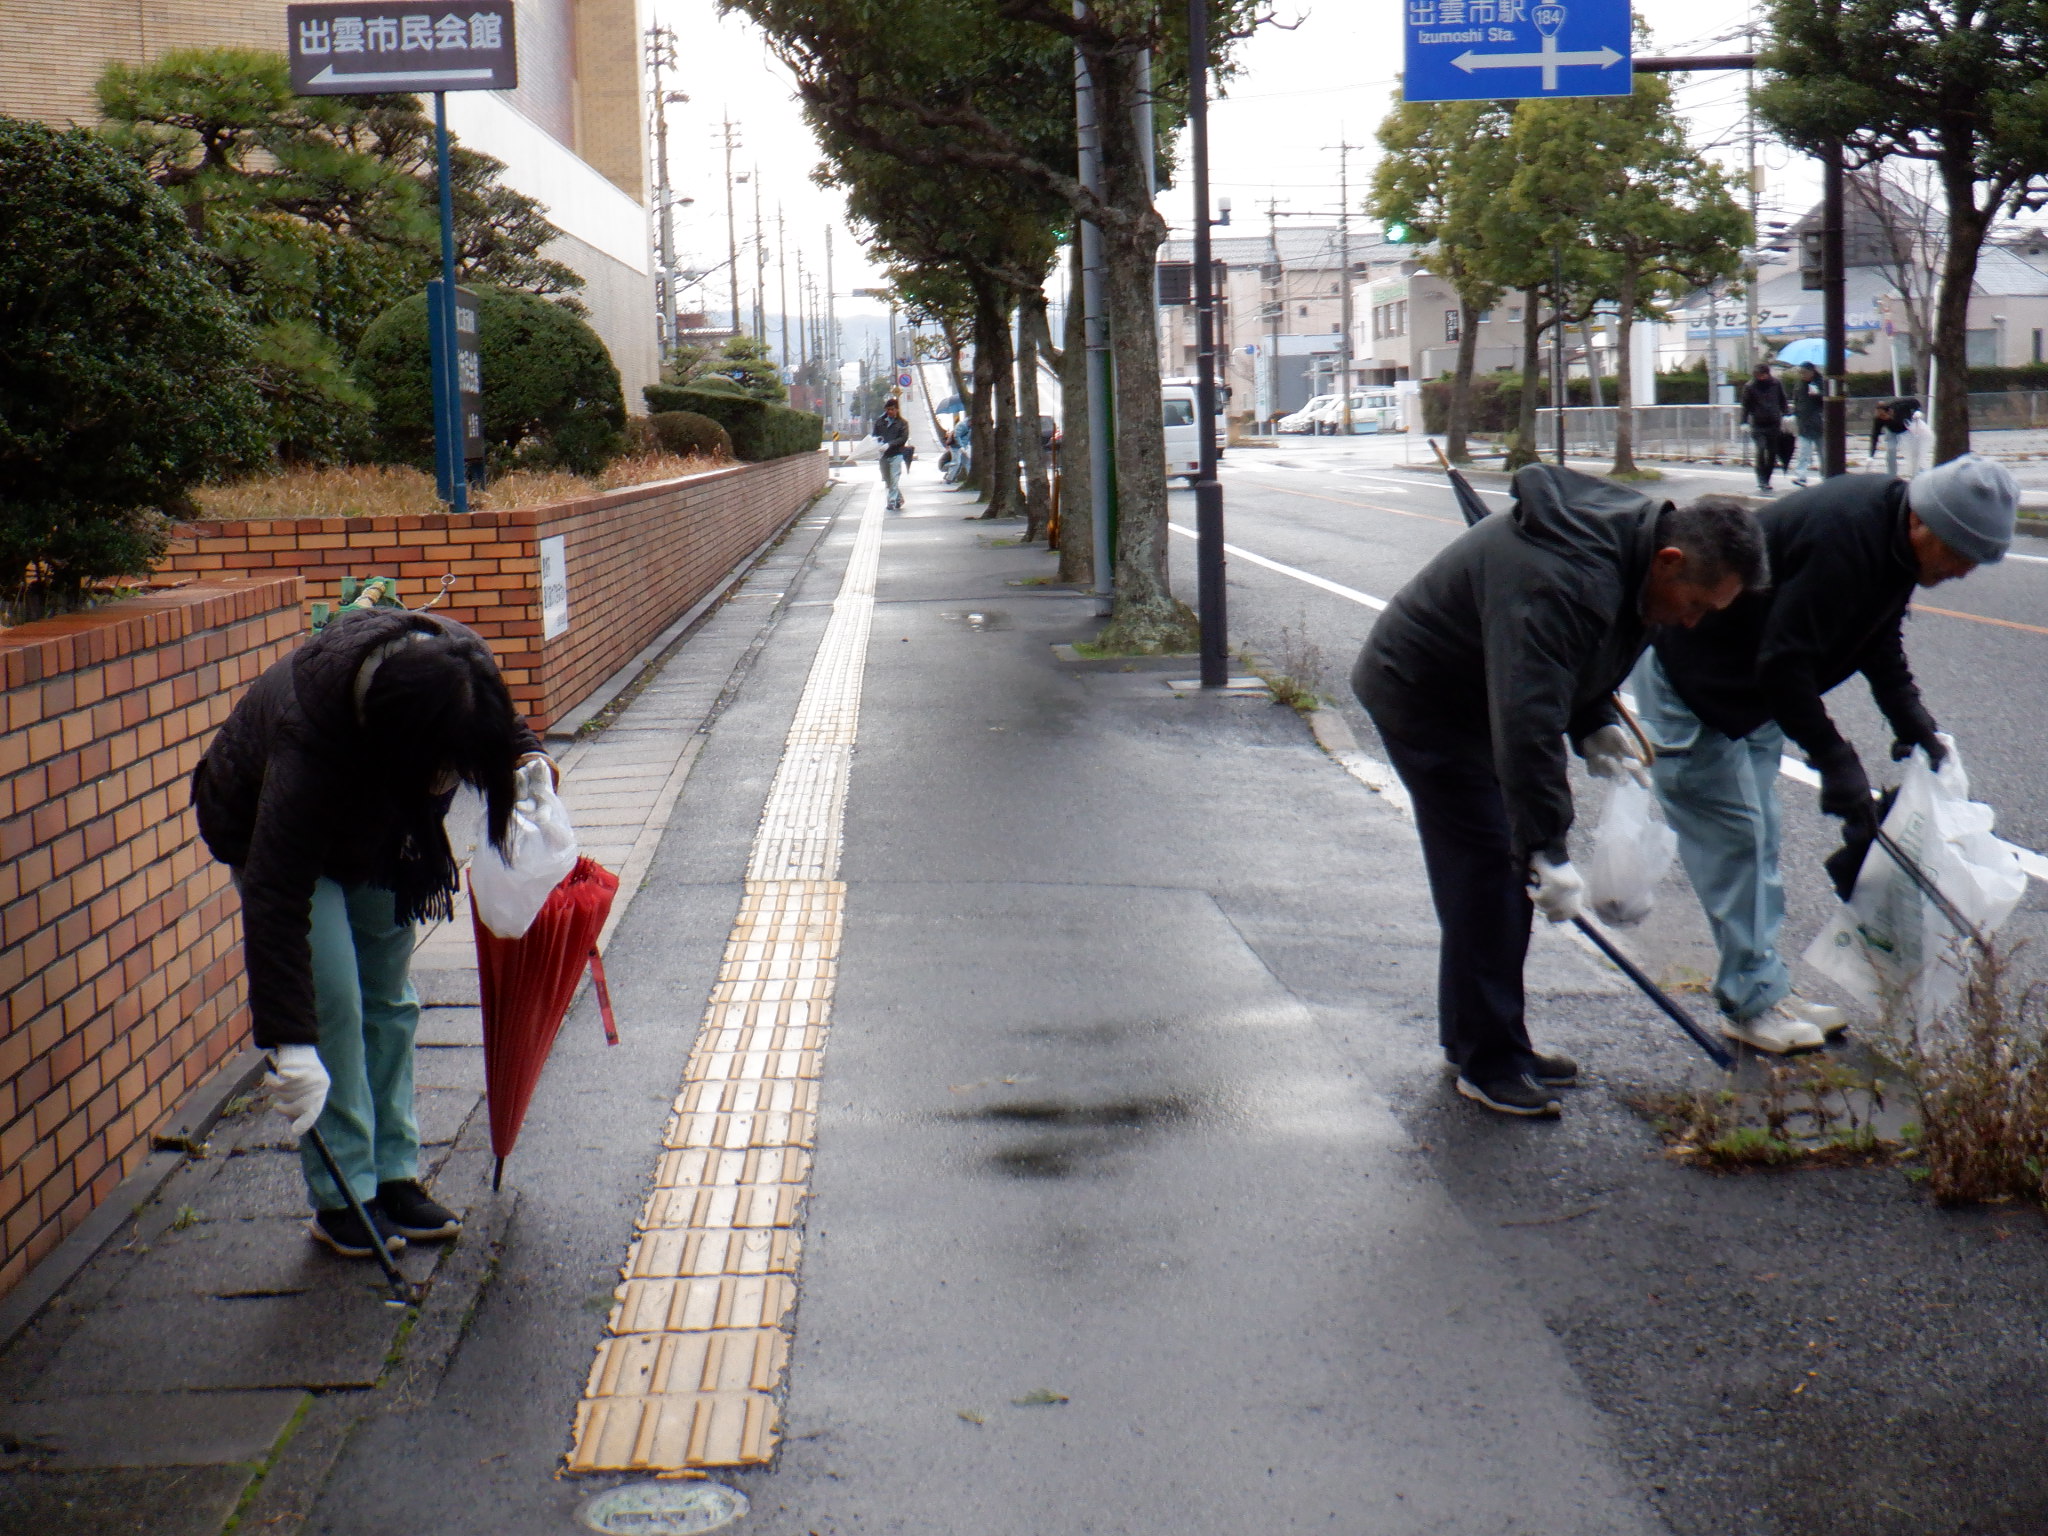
column 1491, row 50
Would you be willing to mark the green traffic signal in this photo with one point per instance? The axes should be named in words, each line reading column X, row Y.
column 1396, row 234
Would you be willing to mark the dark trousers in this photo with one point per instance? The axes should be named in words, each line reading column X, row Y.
column 1482, row 904
column 1766, row 452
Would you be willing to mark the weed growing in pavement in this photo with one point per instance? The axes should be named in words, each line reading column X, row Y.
column 1808, row 1112
column 1299, row 673
column 1980, row 1081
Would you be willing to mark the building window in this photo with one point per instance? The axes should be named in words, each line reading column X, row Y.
column 1304, row 311
column 1450, row 325
column 2037, row 347
column 1484, row 316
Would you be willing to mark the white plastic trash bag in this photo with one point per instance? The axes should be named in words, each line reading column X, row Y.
column 509, row 889
column 1632, row 849
column 1889, row 941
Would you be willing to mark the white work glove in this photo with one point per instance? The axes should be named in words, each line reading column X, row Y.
column 298, row 1085
column 1611, row 752
column 554, row 772
column 1557, row 890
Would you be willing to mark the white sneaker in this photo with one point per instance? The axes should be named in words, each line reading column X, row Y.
column 1775, row 1031
column 1828, row 1020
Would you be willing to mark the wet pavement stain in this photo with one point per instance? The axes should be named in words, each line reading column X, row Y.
column 1078, row 1138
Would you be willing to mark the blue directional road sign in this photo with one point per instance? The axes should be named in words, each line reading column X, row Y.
column 1494, row 50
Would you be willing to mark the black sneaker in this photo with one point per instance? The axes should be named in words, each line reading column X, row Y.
column 341, row 1231
column 1554, row 1071
column 1517, row 1095
column 415, row 1213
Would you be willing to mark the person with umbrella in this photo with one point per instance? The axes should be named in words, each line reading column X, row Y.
column 1509, row 642
column 1718, row 701
column 324, row 794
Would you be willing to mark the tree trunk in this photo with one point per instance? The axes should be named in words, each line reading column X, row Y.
column 1458, row 418
column 1625, row 374
column 1147, row 618
column 1077, row 502
column 1037, row 485
column 998, row 471
column 1950, row 407
column 980, row 406
column 1522, row 450
column 955, row 345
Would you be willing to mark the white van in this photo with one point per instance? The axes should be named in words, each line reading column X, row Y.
column 1177, row 416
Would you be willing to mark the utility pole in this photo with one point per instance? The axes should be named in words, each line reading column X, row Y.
column 1344, row 240
column 782, row 286
column 760, row 269
column 831, row 340
column 1834, row 282
column 661, row 55
column 1753, row 351
column 1560, row 394
column 732, row 235
column 1276, row 312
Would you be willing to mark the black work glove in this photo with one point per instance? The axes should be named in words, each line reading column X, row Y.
column 1845, row 788
column 1913, row 727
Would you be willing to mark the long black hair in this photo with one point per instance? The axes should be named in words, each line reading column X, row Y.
column 437, row 714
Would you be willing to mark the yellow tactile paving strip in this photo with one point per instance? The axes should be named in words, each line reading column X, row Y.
column 697, row 1343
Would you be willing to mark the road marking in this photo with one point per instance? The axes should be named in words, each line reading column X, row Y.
column 1345, row 501
column 1788, row 766
column 1352, row 593
column 1978, row 618
column 2030, row 559
column 697, row 1345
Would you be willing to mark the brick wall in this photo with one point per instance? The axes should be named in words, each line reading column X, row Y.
column 637, row 559
column 120, row 980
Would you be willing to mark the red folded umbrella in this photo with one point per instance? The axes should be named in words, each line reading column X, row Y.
column 526, row 984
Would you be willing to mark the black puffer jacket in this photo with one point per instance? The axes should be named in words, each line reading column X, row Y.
column 1515, row 636
column 1842, row 574
column 282, row 797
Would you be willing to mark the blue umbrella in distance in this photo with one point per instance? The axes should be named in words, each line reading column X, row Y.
column 1807, row 349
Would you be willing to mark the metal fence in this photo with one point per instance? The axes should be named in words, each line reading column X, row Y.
column 1714, row 434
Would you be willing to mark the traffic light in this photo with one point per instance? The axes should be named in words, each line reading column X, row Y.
column 1395, row 233
column 1810, row 259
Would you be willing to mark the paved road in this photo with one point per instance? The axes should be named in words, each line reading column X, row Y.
column 1352, row 516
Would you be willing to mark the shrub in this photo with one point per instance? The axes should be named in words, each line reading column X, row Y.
column 758, row 430
column 685, row 433
column 124, row 370
column 552, row 398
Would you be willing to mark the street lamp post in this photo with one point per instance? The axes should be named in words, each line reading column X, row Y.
column 1209, row 590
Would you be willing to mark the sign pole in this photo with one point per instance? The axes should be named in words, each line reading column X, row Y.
column 1209, row 584
column 448, row 452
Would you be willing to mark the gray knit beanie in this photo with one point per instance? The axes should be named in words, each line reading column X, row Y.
column 1970, row 505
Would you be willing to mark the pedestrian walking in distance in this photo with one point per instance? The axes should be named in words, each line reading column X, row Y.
column 1718, row 701
column 1506, row 645
column 893, row 433
column 324, row 794
column 1764, row 408
column 1807, row 408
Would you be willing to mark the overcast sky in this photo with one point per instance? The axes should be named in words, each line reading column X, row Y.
column 1298, row 94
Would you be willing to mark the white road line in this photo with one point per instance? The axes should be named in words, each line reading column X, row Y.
column 2030, row 559
column 1788, row 766
column 1356, row 596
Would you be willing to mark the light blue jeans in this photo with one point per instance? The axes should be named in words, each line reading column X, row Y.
column 892, row 477
column 1720, row 796
column 1807, row 460
column 369, row 1014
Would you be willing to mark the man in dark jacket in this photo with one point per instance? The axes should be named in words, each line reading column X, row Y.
column 324, row 793
column 893, row 433
column 1719, row 700
column 1764, row 408
column 1511, row 640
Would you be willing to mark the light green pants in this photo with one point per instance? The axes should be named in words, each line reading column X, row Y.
column 369, row 1013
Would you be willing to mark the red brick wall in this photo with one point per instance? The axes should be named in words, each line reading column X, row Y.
column 637, row 559
column 120, row 977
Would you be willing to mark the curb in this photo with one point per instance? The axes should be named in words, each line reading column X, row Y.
column 1334, row 735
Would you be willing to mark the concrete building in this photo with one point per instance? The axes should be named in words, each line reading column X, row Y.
column 572, row 135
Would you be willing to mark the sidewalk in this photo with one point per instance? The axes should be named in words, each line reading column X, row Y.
column 211, row 1356
column 1063, row 1105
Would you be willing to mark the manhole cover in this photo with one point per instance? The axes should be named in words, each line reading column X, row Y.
column 663, row 1509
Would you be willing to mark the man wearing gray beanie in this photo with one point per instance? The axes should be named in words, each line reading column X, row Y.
column 1719, row 700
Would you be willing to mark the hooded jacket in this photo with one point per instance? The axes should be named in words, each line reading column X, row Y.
column 1515, row 636
column 1842, row 573
column 282, row 798
column 1764, row 405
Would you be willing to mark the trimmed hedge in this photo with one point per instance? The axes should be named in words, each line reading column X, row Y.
column 758, row 430
column 685, row 432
